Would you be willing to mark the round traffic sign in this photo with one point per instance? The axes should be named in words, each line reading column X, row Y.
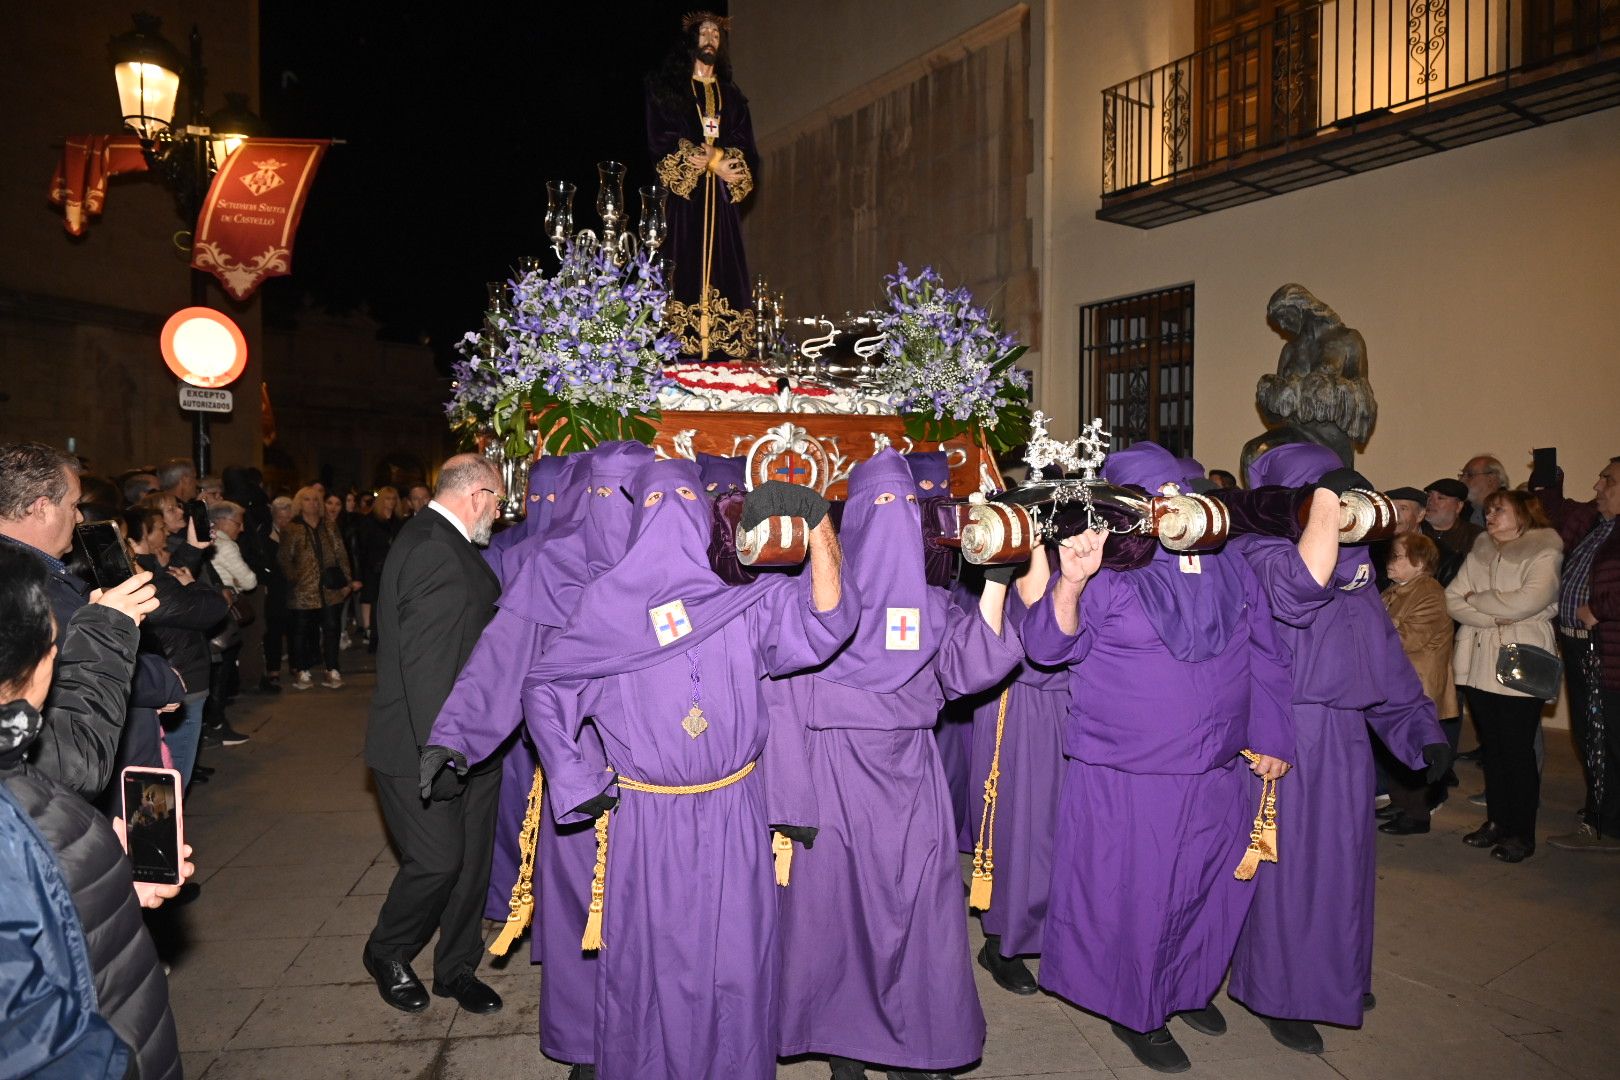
column 204, row 347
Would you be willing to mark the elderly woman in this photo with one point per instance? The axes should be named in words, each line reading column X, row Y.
column 316, row 563
column 1506, row 593
column 1416, row 603
column 237, row 578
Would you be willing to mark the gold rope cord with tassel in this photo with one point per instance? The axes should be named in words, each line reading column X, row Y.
column 782, row 847
column 592, row 939
column 521, row 906
column 1263, row 833
column 984, row 852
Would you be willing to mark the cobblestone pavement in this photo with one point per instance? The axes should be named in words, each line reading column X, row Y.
column 1482, row 970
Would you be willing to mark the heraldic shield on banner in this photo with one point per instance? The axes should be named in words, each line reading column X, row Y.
column 246, row 228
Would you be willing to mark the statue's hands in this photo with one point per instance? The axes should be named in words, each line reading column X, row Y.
column 729, row 169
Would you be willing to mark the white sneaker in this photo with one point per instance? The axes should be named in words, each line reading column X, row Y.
column 343, row 640
column 303, row 682
column 333, row 681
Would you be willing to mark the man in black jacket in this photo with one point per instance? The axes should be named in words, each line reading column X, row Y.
column 436, row 596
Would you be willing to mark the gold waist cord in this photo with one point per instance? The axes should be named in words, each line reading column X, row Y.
column 710, row 185
column 521, row 906
column 593, row 920
column 984, row 852
column 1263, row 833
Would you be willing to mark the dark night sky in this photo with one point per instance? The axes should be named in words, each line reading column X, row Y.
column 456, row 114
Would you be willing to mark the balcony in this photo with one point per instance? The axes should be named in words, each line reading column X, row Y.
column 1347, row 86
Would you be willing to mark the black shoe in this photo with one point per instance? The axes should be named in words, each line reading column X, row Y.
column 1401, row 825
column 1368, row 1002
column 1295, row 1034
column 582, row 1072
column 1205, row 1021
column 912, row 1074
column 1013, row 975
column 1385, row 813
column 1513, row 851
column 267, row 685
column 470, row 993
column 227, row 735
column 1158, row 1050
column 396, row 982
column 210, row 737
column 200, row 775
column 846, row 1068
column 1487, row 835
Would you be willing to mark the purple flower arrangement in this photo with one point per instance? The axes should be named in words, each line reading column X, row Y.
column 949, row 367
column 574, row 359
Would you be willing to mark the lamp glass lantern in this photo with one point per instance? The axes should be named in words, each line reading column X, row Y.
column 230, row 126
column 148, row 70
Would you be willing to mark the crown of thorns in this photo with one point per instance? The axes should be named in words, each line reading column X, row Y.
column 697, row 18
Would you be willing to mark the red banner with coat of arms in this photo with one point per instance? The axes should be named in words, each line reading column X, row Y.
column 246, row 227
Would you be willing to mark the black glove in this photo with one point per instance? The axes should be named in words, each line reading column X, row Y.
column 804, row 834
column 435, row 758
column 595, row 808
column 1439, row 756
column 1340, row 481
column 1003, row 575
column 773, row 498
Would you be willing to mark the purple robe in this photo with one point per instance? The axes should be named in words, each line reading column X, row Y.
column 1031, row 778
column 875, row 959
column 1306, row 952
column 687, row 973
column 1174, row 670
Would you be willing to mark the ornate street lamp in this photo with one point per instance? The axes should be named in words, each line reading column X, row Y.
column 148, row 70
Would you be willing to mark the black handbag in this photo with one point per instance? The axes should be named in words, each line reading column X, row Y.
column 332, row 577
column 1529, row 670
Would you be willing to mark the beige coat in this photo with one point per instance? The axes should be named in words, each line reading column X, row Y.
column 1418, row 610
column 1516, row 582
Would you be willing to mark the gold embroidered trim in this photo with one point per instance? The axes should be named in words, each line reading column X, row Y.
column 745, row 185
column 730, row 331
column 677, row 173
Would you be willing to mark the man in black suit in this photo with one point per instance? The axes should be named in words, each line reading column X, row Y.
column 435, row 598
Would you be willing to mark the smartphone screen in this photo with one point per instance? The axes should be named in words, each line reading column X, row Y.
column 152, row 824
column 197, row 510
column 1544, row 471
column 102, row 549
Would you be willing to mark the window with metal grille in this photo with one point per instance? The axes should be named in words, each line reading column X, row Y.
column 1136, row 363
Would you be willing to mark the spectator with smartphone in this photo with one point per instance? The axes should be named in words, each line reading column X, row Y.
column 117, row 1001
column 190, row 609
column 1589, row 639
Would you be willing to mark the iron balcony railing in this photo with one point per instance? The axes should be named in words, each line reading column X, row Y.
column 1329, row 67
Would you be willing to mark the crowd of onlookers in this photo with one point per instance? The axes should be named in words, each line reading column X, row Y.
column 1477, row 565
column 228, row 582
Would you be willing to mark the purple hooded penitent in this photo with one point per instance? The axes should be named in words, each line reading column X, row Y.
column 931, row 470
column 1156, row 802
column 687, row 976
column 722, row 475
column 1349, row 673
column 874, row 946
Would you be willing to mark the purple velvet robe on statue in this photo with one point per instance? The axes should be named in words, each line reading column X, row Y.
column 1031, row 778
column 486, row 707
column 1171, row 676
column 875, row 960
column 687, row 974
column 1306, row 953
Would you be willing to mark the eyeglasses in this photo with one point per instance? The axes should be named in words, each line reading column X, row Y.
column 492, row 491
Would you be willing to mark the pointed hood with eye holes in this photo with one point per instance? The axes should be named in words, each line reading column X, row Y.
column 723, row 475
column 583, row 544
column 1298, row 465
column 611, row 630
column 547, row 478
column 934, row 466
column 1194, row 614
column 883, row 559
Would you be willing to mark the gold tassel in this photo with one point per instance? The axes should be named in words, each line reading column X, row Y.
column 1263, row 833
column 783, row 847
column 521, row 906
column 592, row 940
column 984, row 852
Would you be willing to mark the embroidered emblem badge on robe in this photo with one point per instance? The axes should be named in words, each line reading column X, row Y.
column 711, row 127
column 670, row 622
column 695, row 723
column 904, row 630
column 1363, row 575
